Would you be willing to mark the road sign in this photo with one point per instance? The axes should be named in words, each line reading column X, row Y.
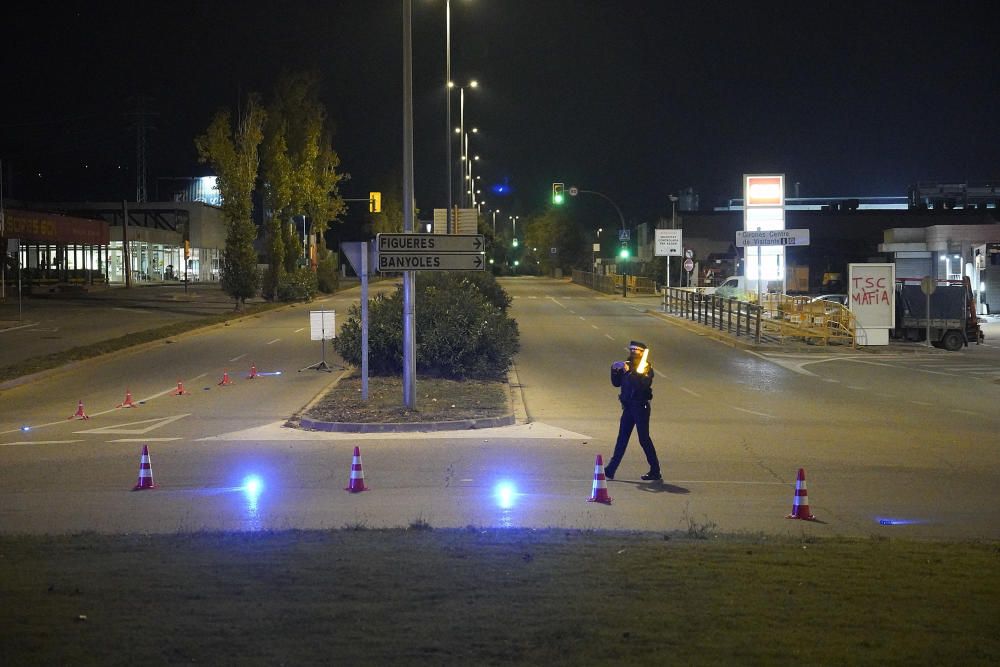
column 668, row 242
column 554, row 251
column 928, row 285
column 408, row 244
column 573, row 191
column 689, row 264
column 623, row 234
column 772, row 237
column 456, row 261
column 689, row 253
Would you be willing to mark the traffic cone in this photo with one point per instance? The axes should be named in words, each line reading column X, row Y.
column 253, row 372
column 180, row 389
column 357, row 484
column 145, row 472
column 225, row 379
column 79, row 414
column 128, row 402
column 599, row 494
column 800, row 504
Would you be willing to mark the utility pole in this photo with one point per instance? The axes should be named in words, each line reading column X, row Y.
column 409, row 328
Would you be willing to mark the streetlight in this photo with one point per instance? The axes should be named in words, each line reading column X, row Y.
column 447, row 113
column 460, row 130
column 673, row 225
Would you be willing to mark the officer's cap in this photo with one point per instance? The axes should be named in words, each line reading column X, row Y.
column 636, row 345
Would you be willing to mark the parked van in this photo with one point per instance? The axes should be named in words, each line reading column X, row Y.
column 744, row 289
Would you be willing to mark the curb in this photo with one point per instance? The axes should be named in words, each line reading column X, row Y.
column 515, row 407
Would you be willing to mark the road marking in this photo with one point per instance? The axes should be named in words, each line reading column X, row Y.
column 238, row 358
column 857, row 388
column 131, row 310
column 922, row 403
column 23, row 326
column 299, row 329
column 144, row 440
column 608, row 336
column 561, row 305
column 118, row 428
column 594, row 326
column 581, row 317
column 38, row 442
column 273, row 341
column 278, row 431
column 965, row 412
column 754, row 412
column 693, row 393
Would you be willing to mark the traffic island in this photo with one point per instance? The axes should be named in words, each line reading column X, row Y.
column 442, row 405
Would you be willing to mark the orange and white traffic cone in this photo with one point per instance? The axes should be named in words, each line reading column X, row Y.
column 180, row 389
column 79, row 414
column 145, row 472
column 225, row 381
column 599, row 494
column 800, row 504
column 128, row 402
column 357, row 484
column 253, row 372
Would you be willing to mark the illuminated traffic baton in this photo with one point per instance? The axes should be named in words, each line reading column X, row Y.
column 643, row 365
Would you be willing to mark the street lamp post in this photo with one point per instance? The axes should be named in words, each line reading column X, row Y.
column 673, row 225
column 447, row 113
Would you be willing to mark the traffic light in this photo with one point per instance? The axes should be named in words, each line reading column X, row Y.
column 558, row 195
column 624, row 252
column 374, row 202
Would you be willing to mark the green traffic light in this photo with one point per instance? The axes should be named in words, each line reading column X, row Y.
column 623, row 253
column 557, row 199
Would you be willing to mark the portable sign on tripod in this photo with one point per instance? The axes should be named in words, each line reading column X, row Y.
column 322, row 327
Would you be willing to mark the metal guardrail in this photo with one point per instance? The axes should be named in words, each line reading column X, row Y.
column 741, row 318
column 611, row 284
column 778, row 318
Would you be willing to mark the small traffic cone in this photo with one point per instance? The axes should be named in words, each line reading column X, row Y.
column 180, row 389
column 145, row 472
column 79, row 414
column 357, row 484
column 599, row 494
column 800, row 504
column 253, row 372
column 225, row 381
column 128, row 402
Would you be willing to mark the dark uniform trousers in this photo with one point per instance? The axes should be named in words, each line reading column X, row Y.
column 634, row 415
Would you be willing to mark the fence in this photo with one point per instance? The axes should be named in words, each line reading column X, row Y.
column 741, row 318
column 778, row 318
column 612, row 284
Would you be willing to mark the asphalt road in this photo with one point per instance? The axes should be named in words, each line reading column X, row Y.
column 897, row 442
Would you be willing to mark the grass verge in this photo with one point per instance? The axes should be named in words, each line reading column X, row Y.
column 57, row 359
column 423, row 596
column 437, row 400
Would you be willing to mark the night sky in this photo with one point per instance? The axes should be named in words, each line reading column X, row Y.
column 634, row 99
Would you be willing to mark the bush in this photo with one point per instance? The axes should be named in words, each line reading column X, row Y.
column 485, row 283
column 326, row 274
column 298, row 286
column 460, row 332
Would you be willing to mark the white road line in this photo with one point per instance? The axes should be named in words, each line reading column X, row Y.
column 922, row 403
column 857, row 388
column 299, row 329
column 38, row 442
column 130, row 310
column 561, row 305
column 23, row 326
column 608, row 337
column 754, row 412
column 270, row 342
column 693, row 393
column 581, row 317
column 238, row 358
column 144, row 440
column 594, row 326
column 965, row 412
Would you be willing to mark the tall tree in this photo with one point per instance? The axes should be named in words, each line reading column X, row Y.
column 233, row 153
column 303, row 171
column 554, row 229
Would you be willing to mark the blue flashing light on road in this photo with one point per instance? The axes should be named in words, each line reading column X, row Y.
column 889, row 521
column 25, row 428
column 505, row 493
column 253, row 486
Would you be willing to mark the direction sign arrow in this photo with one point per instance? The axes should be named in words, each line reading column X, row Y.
column 408, row 244
column 431, row 262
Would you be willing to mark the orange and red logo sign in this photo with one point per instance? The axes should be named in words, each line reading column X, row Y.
column 765, row 191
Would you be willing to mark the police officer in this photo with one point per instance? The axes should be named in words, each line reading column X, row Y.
column 635, row 380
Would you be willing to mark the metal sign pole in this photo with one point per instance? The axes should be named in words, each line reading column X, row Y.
column 364, row 321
